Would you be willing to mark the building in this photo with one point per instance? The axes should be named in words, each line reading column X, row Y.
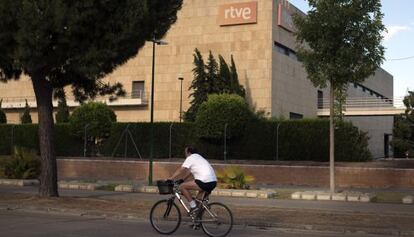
column 259, row 35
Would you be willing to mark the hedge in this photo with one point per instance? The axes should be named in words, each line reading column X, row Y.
column 297, row 140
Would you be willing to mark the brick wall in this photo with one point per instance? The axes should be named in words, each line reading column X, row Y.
column 361, row 177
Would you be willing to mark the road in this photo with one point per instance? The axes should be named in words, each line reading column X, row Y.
column 26, row 224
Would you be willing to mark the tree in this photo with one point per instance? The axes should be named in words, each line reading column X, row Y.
column 62, row 114
column 3, row 118
column 236, row 88
column 340, row 42
column 60, row 43
column 218, row 110
column 198, row 85
column 403, row 141
column 26, row 118
column 212, row 78
column 96, row 118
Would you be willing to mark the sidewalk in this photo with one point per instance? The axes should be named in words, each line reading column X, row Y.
column 343, row 217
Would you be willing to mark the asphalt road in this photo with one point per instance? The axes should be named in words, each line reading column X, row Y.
column 26, row 224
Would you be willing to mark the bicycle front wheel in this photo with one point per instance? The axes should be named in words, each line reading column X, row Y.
column 165, row 217
column 216, row 220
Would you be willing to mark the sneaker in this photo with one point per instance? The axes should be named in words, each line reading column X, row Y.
column 194, row 210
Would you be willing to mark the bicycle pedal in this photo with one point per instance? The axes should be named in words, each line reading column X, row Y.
column 196, row 227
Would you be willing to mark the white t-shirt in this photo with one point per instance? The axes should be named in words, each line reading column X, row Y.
column 200, row 168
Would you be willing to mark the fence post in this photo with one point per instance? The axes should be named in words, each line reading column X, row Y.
column 12, row 140
column 225, row 143
column 84, row 139
column 277, row 141
column 170, row 140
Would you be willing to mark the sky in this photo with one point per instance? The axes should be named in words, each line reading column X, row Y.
column 398, row 41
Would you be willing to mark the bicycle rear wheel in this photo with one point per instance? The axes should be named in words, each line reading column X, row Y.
column 165, row 217
column 216, row 220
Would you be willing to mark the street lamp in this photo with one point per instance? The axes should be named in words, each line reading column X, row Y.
column 181, row 78
column 159, row 42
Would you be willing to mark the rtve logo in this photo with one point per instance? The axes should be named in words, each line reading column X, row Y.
column 237, row 13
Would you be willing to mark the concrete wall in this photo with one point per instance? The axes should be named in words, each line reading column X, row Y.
column 264, row 174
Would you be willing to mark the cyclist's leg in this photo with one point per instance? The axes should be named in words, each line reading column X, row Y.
column 200, row 195
column 186, row 187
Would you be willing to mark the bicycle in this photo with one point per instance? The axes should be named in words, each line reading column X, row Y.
column 215, row 219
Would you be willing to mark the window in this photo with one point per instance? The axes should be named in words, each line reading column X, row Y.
column 285, row 50
column 295, row 116
column 137, row 89
column 320, row 99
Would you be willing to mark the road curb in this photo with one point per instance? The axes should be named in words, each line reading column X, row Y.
column 263, row 194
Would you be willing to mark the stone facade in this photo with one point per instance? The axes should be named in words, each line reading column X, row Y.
column 255, row 32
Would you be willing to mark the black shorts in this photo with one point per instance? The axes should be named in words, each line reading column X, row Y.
column 208, row 187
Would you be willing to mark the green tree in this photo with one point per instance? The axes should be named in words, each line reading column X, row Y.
column 3, row 118
column 219, row 110
column 224, row 76
column 198, row 85
column 236, row 88
column 62, row 114
column 26, row 118
column 96, row 118
column 403, row 141
column 340, row 42
column 212, row 78
column 60, row 43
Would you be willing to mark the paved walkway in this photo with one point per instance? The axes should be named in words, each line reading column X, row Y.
column 341, row 217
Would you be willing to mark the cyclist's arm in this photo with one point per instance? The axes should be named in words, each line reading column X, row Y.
column 181, row 172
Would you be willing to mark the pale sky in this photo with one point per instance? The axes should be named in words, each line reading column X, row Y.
column 398, row 41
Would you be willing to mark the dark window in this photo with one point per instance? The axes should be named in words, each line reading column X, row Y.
column 295, row 116
column 137, row 89
column 285, row 50
column 320, row 99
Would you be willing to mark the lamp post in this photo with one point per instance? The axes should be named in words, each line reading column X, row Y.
column 181, row 78
column 159, row 42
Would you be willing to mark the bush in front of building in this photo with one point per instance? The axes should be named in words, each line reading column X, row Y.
column 25, row 164
column 3, row 118
column 93, row 119
column 285, row 140
column 62, row 114
column 26, row 118
column 220, row 111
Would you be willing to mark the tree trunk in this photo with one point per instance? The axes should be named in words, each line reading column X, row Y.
column 48, row 177
column 331, row 140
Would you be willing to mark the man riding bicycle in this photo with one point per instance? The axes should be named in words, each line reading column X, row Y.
column 205, row 179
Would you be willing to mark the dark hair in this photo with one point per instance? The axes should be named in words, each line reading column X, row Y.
column 191, row 149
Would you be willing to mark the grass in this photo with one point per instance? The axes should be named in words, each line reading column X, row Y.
column 389, row 197
column 107, row 187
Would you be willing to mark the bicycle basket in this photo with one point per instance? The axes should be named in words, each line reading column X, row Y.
column 165, row 187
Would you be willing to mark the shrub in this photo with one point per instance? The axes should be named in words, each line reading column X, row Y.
column 62, row 114
column 3, row 118
column 219, row 110
column 24, row 165
column 26, row 118
column 234, row 177
column 97, row 119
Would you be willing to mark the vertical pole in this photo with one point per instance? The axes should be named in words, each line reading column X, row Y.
column 12, row 140
column 225, row 143
column 331, row 141
column 170, row 139
column 152, row 115
column 277, row 141
column 84, row 140
column 181, row 99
